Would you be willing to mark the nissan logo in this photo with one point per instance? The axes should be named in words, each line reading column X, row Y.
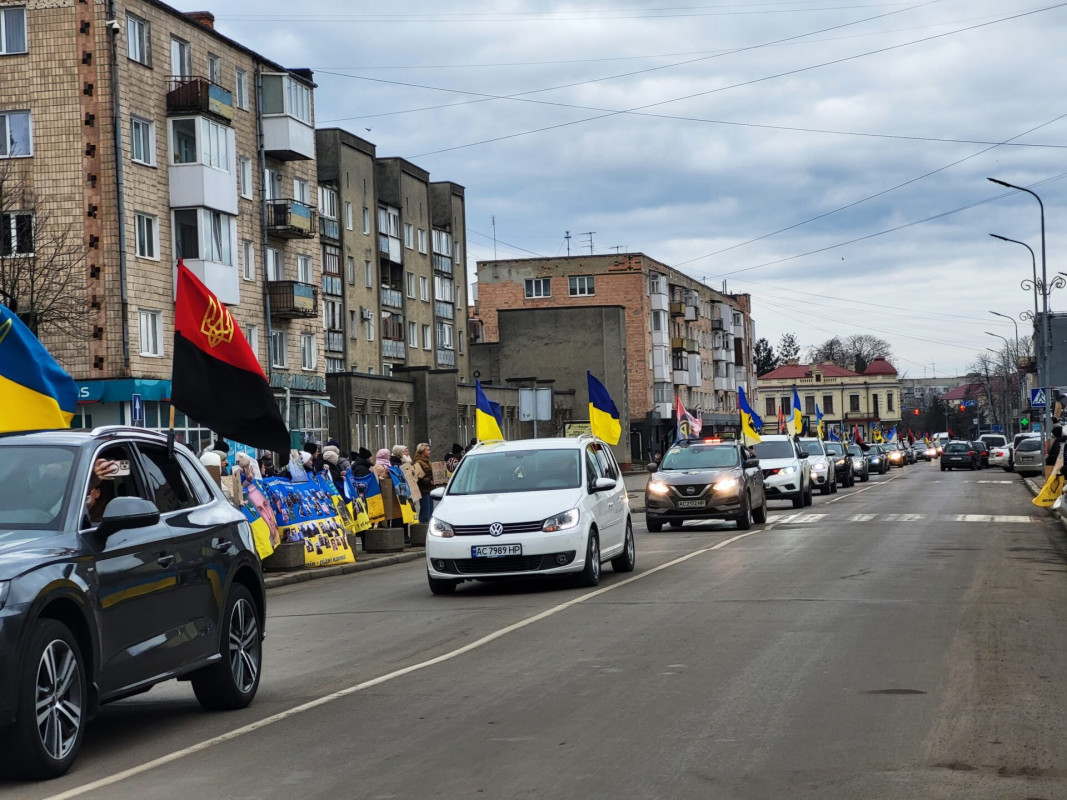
column 690, row 490
column 496, row 529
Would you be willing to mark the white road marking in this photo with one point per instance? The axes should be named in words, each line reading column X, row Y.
column 862, row 517
column 359, row 687
column 1001, row 483
column 801, row 519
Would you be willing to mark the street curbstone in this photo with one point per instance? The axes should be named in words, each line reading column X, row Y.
column 366, row 563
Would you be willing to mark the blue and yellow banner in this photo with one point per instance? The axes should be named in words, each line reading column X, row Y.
column 35, row 392
column 487, row 422
column 603, row 413
column 797, row 420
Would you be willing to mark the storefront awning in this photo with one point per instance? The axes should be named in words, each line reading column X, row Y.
column 121, row 390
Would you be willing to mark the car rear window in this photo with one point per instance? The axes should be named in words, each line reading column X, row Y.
column 994, row 441
column 1029, row 444
column 957, row 448
column 511, row 471
column 34, row 485
column 775, row 449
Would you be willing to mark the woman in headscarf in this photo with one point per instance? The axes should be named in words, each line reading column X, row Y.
column 337, row 465
column 424, row 478
column 408, row 468
column 249, row 468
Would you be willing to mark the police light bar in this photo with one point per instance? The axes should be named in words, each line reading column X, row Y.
column 713, row 441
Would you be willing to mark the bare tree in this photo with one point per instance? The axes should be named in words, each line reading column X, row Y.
column 855, row 352
column 41, row 261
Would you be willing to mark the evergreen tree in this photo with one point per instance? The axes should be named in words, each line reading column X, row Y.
column 788, row 347
column 764, row 358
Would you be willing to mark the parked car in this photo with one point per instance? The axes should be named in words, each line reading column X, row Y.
column 121, row 565
column 877, row 459
column 983, row 453
column 530, row 507
column 786, row 471
column 1014, row 445
column 706, row 480
column 1000, row 457
column 960, row 455
column 860, row 466
column 844, row 466
column 822, row 466
column 1029, row 457
column 993, row 440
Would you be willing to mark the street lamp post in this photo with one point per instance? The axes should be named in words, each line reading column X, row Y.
column 1007, row 346
column 1044, row 308
column 1019, row 393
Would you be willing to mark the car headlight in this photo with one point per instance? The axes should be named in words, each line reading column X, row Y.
column 727, row 484
column 874, row 459
column 658, row 487
column 438, row 527
column 561, row 522
column 840, row 462
column 5, row 587
column 819, row 467
column 787, row 470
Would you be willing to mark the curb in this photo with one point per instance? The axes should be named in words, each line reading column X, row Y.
column 1035, row 488
column 372, row 562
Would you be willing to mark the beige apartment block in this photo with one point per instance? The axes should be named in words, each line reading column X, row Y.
column 154, row 138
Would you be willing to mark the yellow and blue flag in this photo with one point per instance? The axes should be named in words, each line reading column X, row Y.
column 750, row 421
column 818, row 421
column 35, row 392
column 603, row 414
column 487, row 423
column 797, row 422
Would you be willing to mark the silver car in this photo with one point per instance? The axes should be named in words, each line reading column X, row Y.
column 1029, row 457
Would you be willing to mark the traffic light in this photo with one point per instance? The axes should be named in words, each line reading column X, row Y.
column 962, row 408
column 1024, row 423
column 915, row 412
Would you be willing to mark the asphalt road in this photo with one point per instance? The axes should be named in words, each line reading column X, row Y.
column 902, row 639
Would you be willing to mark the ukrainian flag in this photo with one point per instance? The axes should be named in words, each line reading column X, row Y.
column 818, row 420
column 603, row 414
column 35, row 392
column 798, row 418
column 750, row 421
column 486, row 417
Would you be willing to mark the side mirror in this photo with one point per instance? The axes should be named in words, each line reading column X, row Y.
column 751, row 463
column 653, row 466
column 803, row 455
column 124, row 513
column 604, row 484
column 438, row 493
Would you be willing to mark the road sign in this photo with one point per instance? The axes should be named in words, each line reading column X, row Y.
column 1038, row 398
column 998, row 429
column 136, row 410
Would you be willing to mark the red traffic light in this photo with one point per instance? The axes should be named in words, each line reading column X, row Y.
column 915, row 412
column 962, row 408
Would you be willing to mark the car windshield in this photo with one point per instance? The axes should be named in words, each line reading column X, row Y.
column 1029, row 444
column 775, row 449
column 813, row 448
column 700, row 457
column 835, row 448
column 855, row 450
column 508, row 471
column 957, row 447
column 33, row 487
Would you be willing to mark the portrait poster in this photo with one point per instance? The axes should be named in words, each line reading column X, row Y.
column 306, row 512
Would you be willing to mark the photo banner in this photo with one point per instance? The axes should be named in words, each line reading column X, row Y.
column 309, row 512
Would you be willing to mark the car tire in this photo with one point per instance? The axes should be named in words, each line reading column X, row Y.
column 590, row 575
column 798, row 501
column 866, row 476
column 827, row 489
column 744, row 517
column 30, row 747
column 627, row 559
column 809, row 497
column 943, row 467
column 833, row 487
column 760, row 514
column 441, row 586
column 653, row 525
column 974, row 467
column 232, row 682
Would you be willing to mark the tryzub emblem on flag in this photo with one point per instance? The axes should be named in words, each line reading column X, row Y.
column 217, row 325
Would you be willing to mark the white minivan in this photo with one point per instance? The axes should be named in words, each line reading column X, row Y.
column 530, row 507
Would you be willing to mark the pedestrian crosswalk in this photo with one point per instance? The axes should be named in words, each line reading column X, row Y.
column 809, row 519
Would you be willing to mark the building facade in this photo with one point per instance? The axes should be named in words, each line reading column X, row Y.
column 149, row 137
column 682, row 338
column 847, row 399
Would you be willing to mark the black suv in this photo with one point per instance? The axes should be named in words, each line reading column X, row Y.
column 121, row 565
column 844, row 468
column 706, row 480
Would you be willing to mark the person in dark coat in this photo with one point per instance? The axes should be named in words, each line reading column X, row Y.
column 361, row 462
column 1055, row 444
column 454, row 457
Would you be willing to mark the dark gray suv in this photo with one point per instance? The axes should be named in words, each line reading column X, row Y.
column 121, row 565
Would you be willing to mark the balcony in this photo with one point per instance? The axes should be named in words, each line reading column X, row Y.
column 717, row 325
column 677, row 344
column 724, row 384
column 691, row 313
column 189, row 95
column 389, row 247
column 681, row 377
column 658, row 302
column 335, row 341
column 288, row 139
column 444, row 310
column 677, row 309
column 290, row 219
column 393, row 348
column 691, row 345
column 392, row 298
column 329, row 228
column 446, row 358
column 661, row 373
column 292, row 300
column 442, row 264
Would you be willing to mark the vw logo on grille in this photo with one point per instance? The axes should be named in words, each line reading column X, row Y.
column 690, row 490
column 496, row 529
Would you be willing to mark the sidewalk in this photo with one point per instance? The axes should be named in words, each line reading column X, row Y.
column 364, row 561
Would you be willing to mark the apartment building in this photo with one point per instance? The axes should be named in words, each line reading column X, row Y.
column 682, row 337
column 847, row 399
column 151, row 137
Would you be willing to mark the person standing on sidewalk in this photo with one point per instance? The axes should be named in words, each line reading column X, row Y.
column 1055, row 446
column 424, row 477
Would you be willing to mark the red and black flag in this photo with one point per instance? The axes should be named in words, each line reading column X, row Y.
column 217, row 380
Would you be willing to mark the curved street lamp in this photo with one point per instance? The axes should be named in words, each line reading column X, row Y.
column 1007, row 347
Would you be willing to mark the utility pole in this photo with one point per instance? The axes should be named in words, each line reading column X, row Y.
column 590, row 235
column 493, row 218
column 567, row 236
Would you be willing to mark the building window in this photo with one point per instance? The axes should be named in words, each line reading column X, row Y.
column 350, row 270
column 413, row 334
column 147, row 230
column 443, row 289
column 353, row 324
column 442, row 243
column 328, row 202
column 205, row 234
column 659, row 321
column 349, row 217
column 875, row 410
column 656, row 283
column 444, row 336
column 366, row 220
column 275, row 267
column 197, row 140
column 303, row 269
column 661, row 393
column 409, row 239
column 15, row 139
column 214, row 69
column 410, row 281
column 138, row 40
column 427, row 338
column 245, row 169
column 828, row 404
column 889, row 401
column 332, row 318
column 768, row 406
column 151, row 327
column 785, row 405
column 248, row 260
column 272, row 184
column 278, row 357
column 16, row 234
column 424, row 288
column 809, row 404
column 581, row 285
column 240, row 84
column 368, row 274
column 422, row 241
column 853, row 402
column 301, row 191
column 252, row 336
column 142, row 141
column 370, row 327
column 181, row 65
column 538, row 287
column 283, row 94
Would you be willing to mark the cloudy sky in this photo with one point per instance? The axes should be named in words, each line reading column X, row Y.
column 827, row 156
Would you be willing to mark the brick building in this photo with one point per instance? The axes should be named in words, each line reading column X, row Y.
column 681, row 337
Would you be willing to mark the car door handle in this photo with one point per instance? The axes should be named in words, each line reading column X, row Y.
column 165, row 560
column 222, row 545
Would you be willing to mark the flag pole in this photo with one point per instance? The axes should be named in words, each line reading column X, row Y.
column 170, row 432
